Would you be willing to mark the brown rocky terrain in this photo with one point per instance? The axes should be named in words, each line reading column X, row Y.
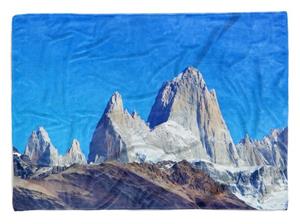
column 113, row 185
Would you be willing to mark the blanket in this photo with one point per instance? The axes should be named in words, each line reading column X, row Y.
column 150, row 111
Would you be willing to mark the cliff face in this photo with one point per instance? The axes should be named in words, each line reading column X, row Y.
column 187, row 101
column 262, row 187
column 115, row 132
column 183, row 157
column 126, row 138
column 271, row 150
column 185, row 123
column 74, row 155
column 40, row 150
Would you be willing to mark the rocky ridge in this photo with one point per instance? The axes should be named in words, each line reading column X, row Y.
column 185, row 123
column 42, row 152
column 187, row 101
column 271, row 150
column 113, row 185
column 126, row 138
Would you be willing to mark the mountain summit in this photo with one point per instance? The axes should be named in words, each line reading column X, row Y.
column 187, row 101
column 74, row 154
column 185, row 123
column 185, row 147
column 115, row 103
column 40, row 150
column 115, row 132
column 174, row 97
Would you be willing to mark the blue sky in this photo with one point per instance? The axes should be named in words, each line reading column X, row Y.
column 65, row 68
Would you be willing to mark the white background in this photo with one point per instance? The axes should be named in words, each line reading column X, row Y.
column 12, row 7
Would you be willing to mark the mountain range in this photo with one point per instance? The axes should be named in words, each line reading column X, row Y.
column 185, row 122
column 42, row 152
column 184, row 139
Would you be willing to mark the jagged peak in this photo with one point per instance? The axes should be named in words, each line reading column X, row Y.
column 276, row 131
column 115, row 103
column 191, row 75
column 75, row 146
column 116, row 98
column 116, row 94
column 74, row 154
column 75, row 142
column 40, row 149
column 41, row 133
column 246, row 139
column 190, row 70
column 273, row 134
column 189, row 82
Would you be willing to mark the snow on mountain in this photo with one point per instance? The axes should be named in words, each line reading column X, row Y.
column 261, row 187
column 115, row 131
column 74, row 155
column 40, row 150
column 187, row 101
column 185, row 123
column 126, row 137
column 16, row 151
column 271, row 150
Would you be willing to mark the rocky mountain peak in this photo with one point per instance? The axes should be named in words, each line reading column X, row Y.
column 74, row 155
column 75, row 147
column 181, row 93
column 187, row 101
column 190, row 77
column 40, row 150
column 115, row 103
column 271, row 150
column 41, row 134
column 190, row 71
column 183, row 104
column 106, row 141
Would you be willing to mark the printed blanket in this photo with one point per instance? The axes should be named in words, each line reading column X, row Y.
column 150, row 111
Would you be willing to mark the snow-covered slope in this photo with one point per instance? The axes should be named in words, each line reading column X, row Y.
column 115, row 131
column 261, row 187
column 185, row 123
column 126, row 137
column 187, row 101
